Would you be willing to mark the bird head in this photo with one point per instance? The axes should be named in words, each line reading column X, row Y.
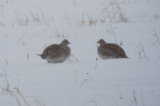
column 101, row 42
column 65, row 42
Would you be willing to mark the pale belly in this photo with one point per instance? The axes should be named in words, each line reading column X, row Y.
column 105, row 57
column 57, row 60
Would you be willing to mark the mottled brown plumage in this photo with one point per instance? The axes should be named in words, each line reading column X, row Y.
column 110, row 50
column 57, row 53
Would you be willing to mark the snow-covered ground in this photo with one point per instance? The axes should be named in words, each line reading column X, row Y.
column 28, row 26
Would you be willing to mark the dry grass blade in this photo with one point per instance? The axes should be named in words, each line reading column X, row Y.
column 27, row 58
column 157, row 38
column 5, row 75
column 14, row 93
column 144, row 53
column 141, row 52
column 96, row 63
column 6, row 62
column 114, row 35
column 17, row 90
column 17, row 100
column 134, row 97
column 112, row 13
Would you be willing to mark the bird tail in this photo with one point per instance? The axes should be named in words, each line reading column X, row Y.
column 38, row 54
column 42, row 56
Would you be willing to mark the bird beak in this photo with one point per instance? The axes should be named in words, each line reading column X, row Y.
column 69, row 43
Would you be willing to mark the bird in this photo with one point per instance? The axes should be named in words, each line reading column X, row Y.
column 56, row 53
column 110, row 50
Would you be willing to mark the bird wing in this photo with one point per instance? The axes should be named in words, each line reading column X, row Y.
column 111, row 50
column 115, row 50
column 52, row 51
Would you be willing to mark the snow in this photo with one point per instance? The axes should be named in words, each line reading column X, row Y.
column 28, row 26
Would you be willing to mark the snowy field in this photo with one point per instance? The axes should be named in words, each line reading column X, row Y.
column 28, row 26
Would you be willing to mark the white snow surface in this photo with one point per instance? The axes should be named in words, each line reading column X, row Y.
column 28, row 26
